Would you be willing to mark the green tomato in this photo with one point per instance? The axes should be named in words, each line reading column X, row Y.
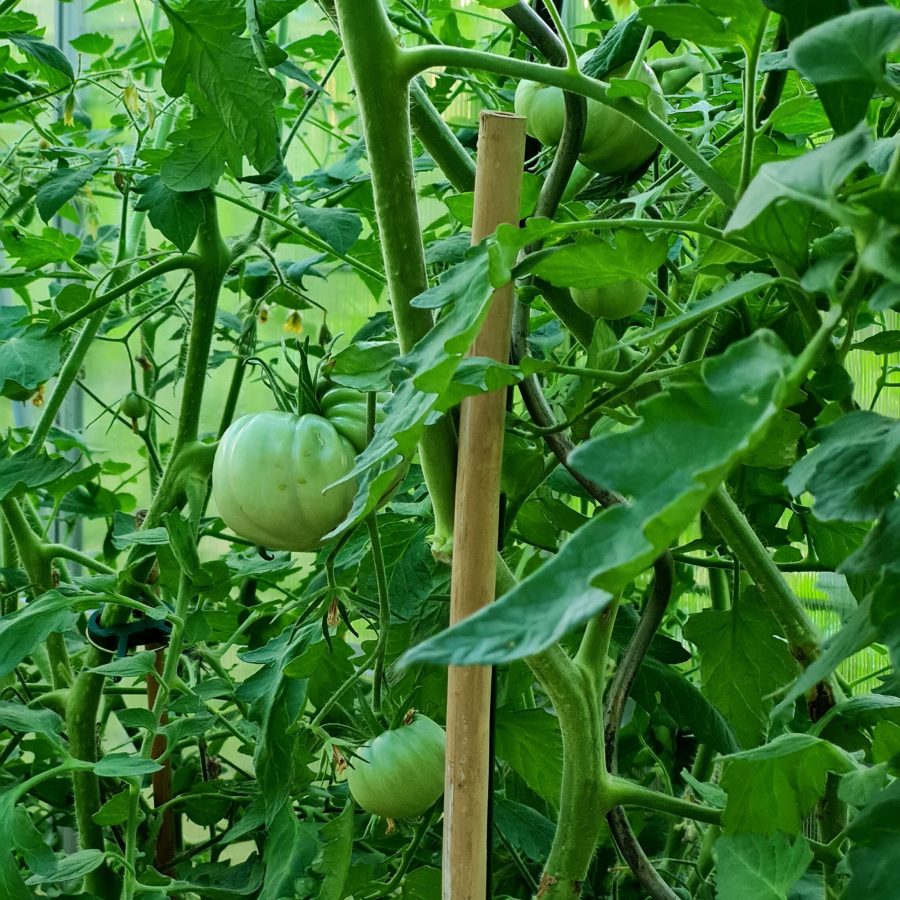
column 272, row 475
column 134, row 405
column 345, row 408
column 611, row 301
column 613, row 144
column 400, row 774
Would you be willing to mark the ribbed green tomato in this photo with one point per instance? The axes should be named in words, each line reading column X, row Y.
column 346, row 410
column 611, row 301
column 271, row 478
column 613, row 144
column 400, row 774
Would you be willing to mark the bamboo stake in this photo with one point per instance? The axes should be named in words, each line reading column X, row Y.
column 501, row 150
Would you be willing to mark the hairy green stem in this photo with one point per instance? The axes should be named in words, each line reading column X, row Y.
column 383, row 94
column 419, row 59
column 101, row 301
column 84, row 700
column 731, row 523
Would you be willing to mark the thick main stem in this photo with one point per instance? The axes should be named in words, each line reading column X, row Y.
column 86, row 692
column 382, row 90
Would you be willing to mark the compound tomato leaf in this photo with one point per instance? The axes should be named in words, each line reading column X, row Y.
column 706, row 428
column 212, row 62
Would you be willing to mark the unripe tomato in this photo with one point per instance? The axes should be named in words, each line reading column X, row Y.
column 271, row 478
column 134, row 405
column 611, row 301
column 400, row 774
column 613, row 144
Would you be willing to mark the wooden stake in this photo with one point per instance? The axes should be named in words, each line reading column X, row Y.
column 498, row 179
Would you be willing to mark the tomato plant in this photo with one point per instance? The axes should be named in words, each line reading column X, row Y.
column 238, row 302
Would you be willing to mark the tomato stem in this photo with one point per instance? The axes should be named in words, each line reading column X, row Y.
column 382, row 89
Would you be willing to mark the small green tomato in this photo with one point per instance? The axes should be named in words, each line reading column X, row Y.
column 400, row 774
column 611, row 301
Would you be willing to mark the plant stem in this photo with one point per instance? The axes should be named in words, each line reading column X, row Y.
column 418, row 59
column 84, row 700
column 731, row 523
column 383, row 94
column 626, row 793
column 100, row 302
column 750, row 127
column 384, row 613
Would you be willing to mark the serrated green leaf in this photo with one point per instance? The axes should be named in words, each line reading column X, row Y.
column 854, row 471
column 772, row 788
column 753, row 867
column 23, row 630
column 875, row 854
column 743, row 661
column 177, row 214
column 215, row 64
column 530, row 742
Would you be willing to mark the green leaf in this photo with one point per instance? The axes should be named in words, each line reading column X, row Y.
column 290, row 849
column 92, row 43
column 743, row 661
column 332, row 861
column 364, row 365
column 883, row 343
column 529, row 831
column 24, row 720
column 619, row 46
column 34, row 251
column 875, row 854
column 218, row 67
column 221, row 880
column 12, row 884
column 848, row 53
column 591, row 262
column 61, row 185
column 811, row 179
column 772, row 788
column 29, row 469
column 753, row 867
column 51, row 60
column 276, row 702
column 177, row 214
column 338, row 227
column 271, row 12
column 29, row 360
column 428, row 369
column 854, row 471
column 22, row 630
column 121, row 765
column 530, row 742
column 136, row 666
column 881, row 547
column 422, row 884
column 705, row 428
column 75, row 865
column 657, row 685
column 115, row 811
column 198, row 158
